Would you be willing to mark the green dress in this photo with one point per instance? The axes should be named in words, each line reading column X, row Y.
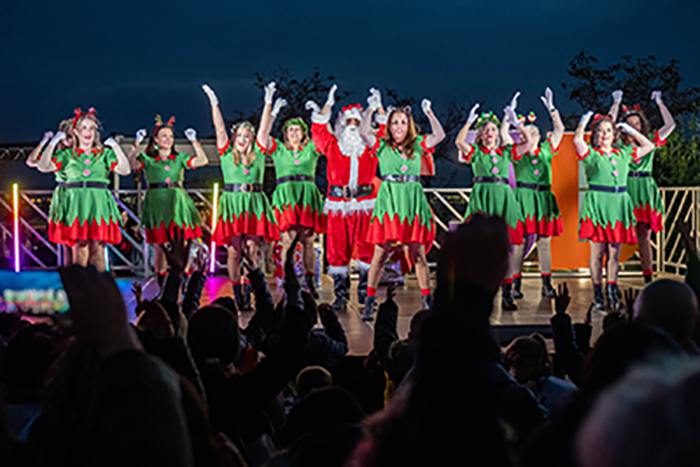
column 166, row 208
column 244, row 212
column 296, row 202
column 533, row 191
column 87, row 211
column 642, row 188
column 401, row 213
column 491, row 194
column 608, row 214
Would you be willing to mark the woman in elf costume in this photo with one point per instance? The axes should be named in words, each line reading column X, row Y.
column 88, row 216
column 491, row 194
column 533, row 175
column 244, row 216
column 641, row 186
column 607, row 218
column 401, row 212
column 167, row 206
column 296, row 201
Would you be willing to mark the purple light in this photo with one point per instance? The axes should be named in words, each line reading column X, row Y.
column 15, row 209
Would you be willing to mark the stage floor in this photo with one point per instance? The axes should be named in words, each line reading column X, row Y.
column 533, row 309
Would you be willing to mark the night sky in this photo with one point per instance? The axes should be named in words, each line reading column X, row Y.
column 133, row 59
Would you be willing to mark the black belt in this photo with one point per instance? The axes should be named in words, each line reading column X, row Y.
column 243, row 187
column 533, row 186
column 400, row 178
column 639, row 174
column 491, row 180
column 347, row 192
column 165, row 185
column 295, row 178
column 60, row 184
column 87, row 185
column 608, row 189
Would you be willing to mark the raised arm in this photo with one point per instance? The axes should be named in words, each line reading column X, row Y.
column 557, row 123
column 579, row 142
column 219, row 124
column 34, row 156
column 269, row 114
column 461, row 140
column 615, row 108
column 669, row 123
column 201, row 159
column 525, row 138
column 438, row 134
column 645, row 146
column 373, row 103
column 505, row 124
column 45, row 163
column 135, row 151
column 123, row 167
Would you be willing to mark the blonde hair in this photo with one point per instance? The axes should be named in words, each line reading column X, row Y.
column 480, row 132
column 411, row 134
column 97, row 142
column 249, row 156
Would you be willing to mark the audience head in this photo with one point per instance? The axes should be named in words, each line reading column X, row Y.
column 416, row 323
column 213, row 333
column 312, row 378
column 226, row 302
column 613, row 319
column 526, row 358
column 28, row 356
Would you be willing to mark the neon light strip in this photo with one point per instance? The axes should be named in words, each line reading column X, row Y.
column 15, row 209
column 212, row 250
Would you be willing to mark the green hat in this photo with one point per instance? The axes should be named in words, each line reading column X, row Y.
column 295, row 121
column 485, row 118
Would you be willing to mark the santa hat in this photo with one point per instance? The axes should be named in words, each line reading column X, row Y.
column 352, row 111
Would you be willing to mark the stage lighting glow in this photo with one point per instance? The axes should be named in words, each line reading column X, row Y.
column 15, row 210
column 215, row 215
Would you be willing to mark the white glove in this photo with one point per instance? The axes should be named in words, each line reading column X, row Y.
column 626, row 128
column 210, row 94
column 512, row 118
column 47, row 137
column 313, row 107
column 191, row 135
column 374, row 101
column 548, row 99
column 330, row 102
column 585, row 118
column 426, row 105
column 279, row 104
column 141, row 135
column 656, row 97
column 617, row 96
column 58, row 137
column 473, row 115
column 111, row 142
column 514, row 101
column 270, row 90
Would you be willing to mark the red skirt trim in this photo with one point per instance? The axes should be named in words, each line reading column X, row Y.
column 70, row 234
column 516, row 235
column 160, row 234
column 246, row 224
column 408, row 231
column 608, row 234
column 295, row 215
column 646, row 213
column 544, row 227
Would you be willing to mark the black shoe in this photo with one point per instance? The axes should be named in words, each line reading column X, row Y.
column 517, row 283
column 598, row 297
column 369, row 308
column 507, row 302
column 547, row 289
column 362, row 286
column 311, row 285
column 341, row 286
column 427, row 302
column 648, row 278
column 613, row 295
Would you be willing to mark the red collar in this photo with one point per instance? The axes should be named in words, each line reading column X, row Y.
column 79, row 152
column 301, row 148
column 615, row 151
column 498, row 151
column 169, row 156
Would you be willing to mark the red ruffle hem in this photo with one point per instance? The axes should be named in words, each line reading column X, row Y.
column 70, row 234
column 645, row 213
column 599, row 234
column 516, row 235
column 408, row 231
column 544, row 227
column 292, row 216
column 246, row 224
column 160, row 234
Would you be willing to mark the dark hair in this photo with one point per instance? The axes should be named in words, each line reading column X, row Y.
column 594, row 129
column 213, row 333
column 151, row 150
column 411, row 134
column 646, row 127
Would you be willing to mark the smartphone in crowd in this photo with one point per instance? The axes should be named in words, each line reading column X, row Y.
column 32, row 292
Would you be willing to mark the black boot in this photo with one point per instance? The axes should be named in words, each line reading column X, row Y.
column 311, row 284
column 238, row 295
column 517, row 283
column 427, row 302
column 598, row 298
column 648, row 278
column 341, row 288
column 613, row 295
column 507, row 302
column 362, row 285
column 547, row 289
column 369, row 308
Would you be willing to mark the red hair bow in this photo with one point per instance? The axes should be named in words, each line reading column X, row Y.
column 597, row 117
column 80, row 114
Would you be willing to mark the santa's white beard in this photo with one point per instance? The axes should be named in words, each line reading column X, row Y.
column 350, row 142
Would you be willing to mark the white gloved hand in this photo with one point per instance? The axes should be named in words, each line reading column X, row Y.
column 330, row 102
column 426, row 105
column 191, row 135
column 626, row 128
column 656, row 97
column 374, row 101
column 313, row 107
column 279, row 104
column 512, row 118
column 213, row 100
column 473, row 114
column 58, row 137
column 140, row 135
column 270, row 90
column 548, row 99
column 514, row 101
column 617, row 96
column 111, row 142
column 47, row 137
column 585, row 118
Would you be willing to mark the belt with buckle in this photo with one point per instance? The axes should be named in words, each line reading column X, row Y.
column 608, row 189
column 243, row 187
column 295, row 178
column 491, row 180
column 639, row 174
column 347, row 192
column 400, row 178
column 60, row 184
column 165, row 185
column 533, row 186
column 87, row 185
